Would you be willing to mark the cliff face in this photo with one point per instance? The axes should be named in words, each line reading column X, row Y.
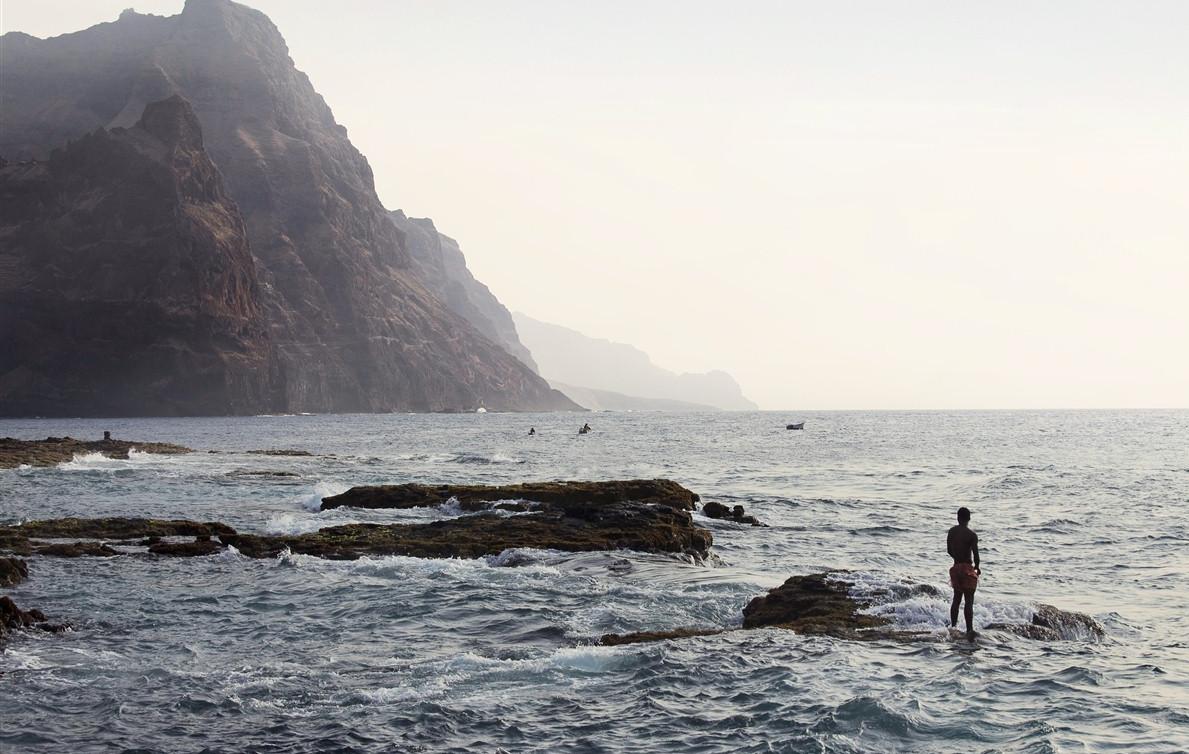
column 567, row 356
column 443, row 268
column 353, row 327
column 126, row 283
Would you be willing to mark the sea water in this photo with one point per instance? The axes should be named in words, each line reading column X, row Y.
column 1085, row 510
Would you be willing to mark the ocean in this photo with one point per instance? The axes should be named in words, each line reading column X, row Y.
column 1085, row 510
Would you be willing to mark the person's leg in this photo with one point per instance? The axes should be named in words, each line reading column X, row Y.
column 969, row 613
column 954, row 608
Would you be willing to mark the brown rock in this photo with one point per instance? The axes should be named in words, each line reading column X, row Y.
column 736, row 514
column 75, row 550
column 819, row 603
column 124, row 251
column 569, row 527
column 640, row 637
column 54, row 450
column 12, row 618
column 12, row 571
column 196, row 548
column 475, row 497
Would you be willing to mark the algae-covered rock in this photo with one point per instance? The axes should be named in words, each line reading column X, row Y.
column 54, row 450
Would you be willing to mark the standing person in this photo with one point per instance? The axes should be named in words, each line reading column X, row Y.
column 962, row 545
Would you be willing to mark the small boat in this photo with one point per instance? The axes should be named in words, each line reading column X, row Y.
column 796, row 426
column 480, row 410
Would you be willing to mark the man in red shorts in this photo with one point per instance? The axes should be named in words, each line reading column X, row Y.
column 962, row 544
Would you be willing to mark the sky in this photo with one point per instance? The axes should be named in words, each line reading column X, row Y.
column 846, row 205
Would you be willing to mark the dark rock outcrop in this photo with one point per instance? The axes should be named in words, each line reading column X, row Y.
column 12, row 618
column 197, row 548
column 736, row 514
column 569, row 496
column 642, row 637
column 55, row 450
column 12, row 571
column 822, row 604
column 350, row 324
column 571, row 528
column 818, row 603
column 127, row 268
column 1051, row 624
column 649, row 516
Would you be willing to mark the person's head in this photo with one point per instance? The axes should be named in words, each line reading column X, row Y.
column 963, row 515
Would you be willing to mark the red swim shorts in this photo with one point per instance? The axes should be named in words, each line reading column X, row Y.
column 963, row 577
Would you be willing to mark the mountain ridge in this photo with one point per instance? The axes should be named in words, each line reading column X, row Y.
column 567, row 356
column 353, row 325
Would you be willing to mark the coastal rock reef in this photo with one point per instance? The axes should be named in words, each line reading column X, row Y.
column 824, row 604
column 643, row 515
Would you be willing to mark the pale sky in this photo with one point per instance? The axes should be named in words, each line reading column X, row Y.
column 843, row 204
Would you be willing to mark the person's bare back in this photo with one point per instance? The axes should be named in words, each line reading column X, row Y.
column 962, row 544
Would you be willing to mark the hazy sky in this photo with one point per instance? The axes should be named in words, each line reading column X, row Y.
column 844, row 204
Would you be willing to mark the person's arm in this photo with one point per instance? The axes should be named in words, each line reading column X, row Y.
column 974, row 547
column 949, row 544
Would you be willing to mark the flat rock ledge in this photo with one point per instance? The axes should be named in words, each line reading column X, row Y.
column 54, row 450
column 558, row 495
column 821, row 604
column 572, row 517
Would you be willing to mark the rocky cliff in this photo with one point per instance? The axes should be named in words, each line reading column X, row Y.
column 352, row 325
column 568, row 357
column 126, row 283
column 443, row 269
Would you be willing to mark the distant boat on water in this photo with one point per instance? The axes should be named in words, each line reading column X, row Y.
column 795, row 426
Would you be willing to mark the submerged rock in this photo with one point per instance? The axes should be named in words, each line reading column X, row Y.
column 570, row 495
column 54, row 450
column 280, row 452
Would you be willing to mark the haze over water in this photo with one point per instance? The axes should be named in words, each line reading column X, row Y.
column 1085, row 510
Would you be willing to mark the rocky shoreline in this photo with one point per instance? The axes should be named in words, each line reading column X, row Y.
column 651, row 516
column 54, row 450
column 644, row 515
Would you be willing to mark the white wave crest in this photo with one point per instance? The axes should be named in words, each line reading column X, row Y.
column 912, row 606
column 312, row 501
column 472, row 675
